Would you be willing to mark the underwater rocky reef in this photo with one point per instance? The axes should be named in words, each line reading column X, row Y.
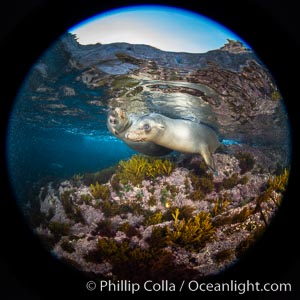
column 158, row 218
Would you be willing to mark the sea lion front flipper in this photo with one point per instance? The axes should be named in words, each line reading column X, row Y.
column 208, row 158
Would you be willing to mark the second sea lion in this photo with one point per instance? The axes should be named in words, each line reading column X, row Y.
column 118, row 123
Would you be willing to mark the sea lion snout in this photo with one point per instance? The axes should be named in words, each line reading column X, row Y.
column 112, row 121
column 133, row 137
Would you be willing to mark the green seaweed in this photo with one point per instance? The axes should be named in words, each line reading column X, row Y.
column 202, row 185
column 115, row 183
column 154, row 218
column 59, row 229
column 199, row 169
column 72, row 211
column 86, row 198
column 275, row 184
column 191, row 234
column 136, row 264
column 186, row 212
column 109, row 208
column 113, row 208
column 206, row 185
column 246, row 161
column 139, row 167
column 279, row 183
column 220, row 205
column 129, row 230
column 100, row 191
column 232, row 181
column 65, row 199
column 104, row 228
column 243, row 180
column 151, row 201
column 173, row 189
column 197, row 195
column 158, row 167
column 158, row 238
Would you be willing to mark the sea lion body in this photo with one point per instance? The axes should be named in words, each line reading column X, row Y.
column 177, row 134
column 118, row 122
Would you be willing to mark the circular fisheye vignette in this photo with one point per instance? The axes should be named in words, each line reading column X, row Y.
column 105, row 196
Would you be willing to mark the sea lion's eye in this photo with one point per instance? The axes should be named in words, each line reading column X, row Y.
column 147, row 127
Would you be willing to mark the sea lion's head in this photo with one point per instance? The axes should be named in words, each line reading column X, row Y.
column 145, row 129
column 117, row 120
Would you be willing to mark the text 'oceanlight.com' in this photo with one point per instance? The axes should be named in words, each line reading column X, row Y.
column 192, row 286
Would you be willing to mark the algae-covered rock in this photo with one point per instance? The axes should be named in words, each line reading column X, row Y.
column 161, row 217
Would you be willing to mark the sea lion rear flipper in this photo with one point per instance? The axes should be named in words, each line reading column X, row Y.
column 209, row 160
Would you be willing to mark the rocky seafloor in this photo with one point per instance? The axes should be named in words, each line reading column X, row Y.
column 160, row 218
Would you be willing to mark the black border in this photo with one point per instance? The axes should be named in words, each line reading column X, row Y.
column 268, row 26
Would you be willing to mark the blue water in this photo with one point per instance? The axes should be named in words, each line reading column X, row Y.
column 227, row 142
column 36, row 154
column 52, row 135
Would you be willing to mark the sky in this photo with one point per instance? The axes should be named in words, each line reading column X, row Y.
column 166, row 28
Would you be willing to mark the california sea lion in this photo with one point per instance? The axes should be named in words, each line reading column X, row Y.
column 177, row 134
column 118, row 122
